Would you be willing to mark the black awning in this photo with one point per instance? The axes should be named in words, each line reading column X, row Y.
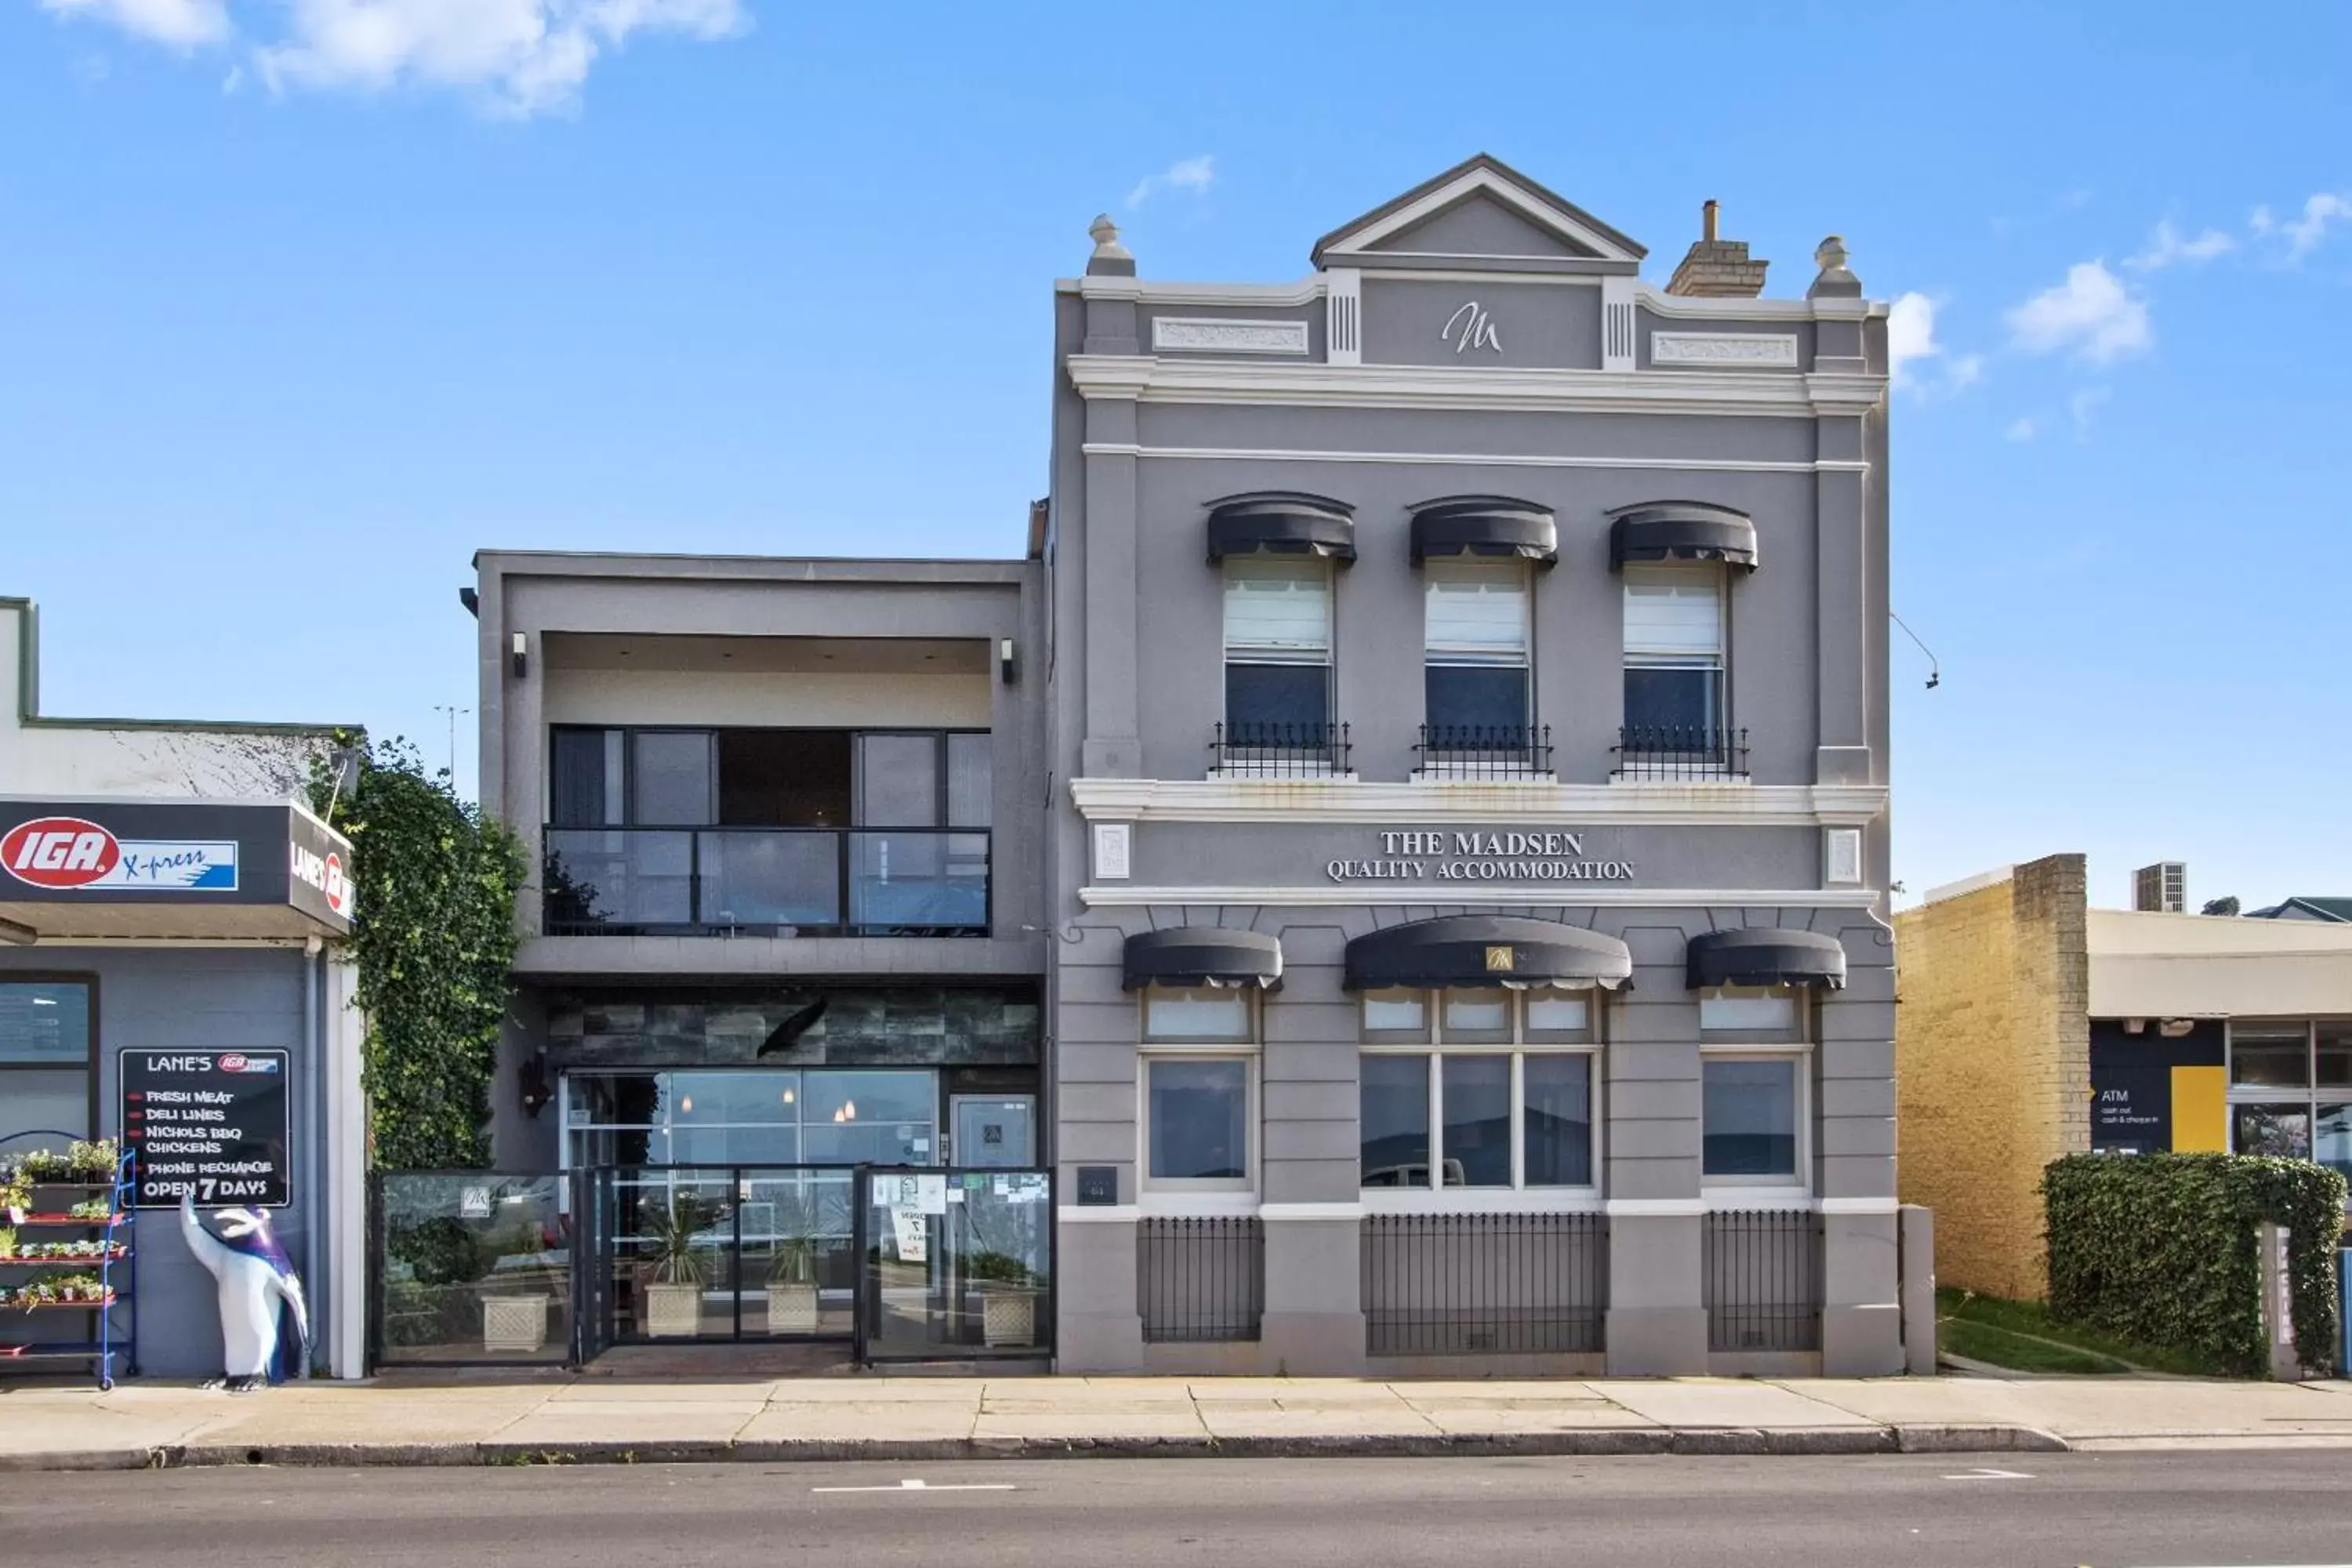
column 1681, row 530
column 1281, row 522
column 1201, row 955
column 1487, row 949
column 1484, row 525
column 1762, row 956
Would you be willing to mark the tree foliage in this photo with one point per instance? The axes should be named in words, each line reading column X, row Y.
column 434, row 935
column 2161, row 1249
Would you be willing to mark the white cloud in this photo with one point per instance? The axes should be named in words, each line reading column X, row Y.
column 1191, row 175
column 180, row 24
column 2092, row 313
column 2304, row 233
column 2167, row 246
column 2021, row 430
column 2082, row 405
column 1910, row 335
column 526, row 57
column 1966, row 371
column 521, row 57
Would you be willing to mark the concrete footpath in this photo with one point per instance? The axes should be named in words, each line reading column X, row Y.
column 564, row 1419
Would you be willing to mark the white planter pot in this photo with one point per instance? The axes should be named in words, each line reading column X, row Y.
column 791, row 1309
column 514, row 1325
column 673, row 1311
column 1008, row 1315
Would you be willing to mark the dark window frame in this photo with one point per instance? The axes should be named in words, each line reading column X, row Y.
column 628, row 732
column 89, row 980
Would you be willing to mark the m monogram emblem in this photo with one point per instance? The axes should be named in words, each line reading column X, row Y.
column 1499, row 959
column 1470, row 327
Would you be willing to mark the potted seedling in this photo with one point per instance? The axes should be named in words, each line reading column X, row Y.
column 16, row 1194
column 674, row 1295
column 93, row 1162
column 1008, row 1298
column 792, row 1273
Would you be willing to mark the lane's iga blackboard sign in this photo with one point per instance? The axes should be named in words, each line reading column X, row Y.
column 209, row 1123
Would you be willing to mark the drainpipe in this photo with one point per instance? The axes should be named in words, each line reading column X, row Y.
column 308, row 1166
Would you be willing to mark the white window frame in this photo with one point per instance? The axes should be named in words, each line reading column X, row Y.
column 1325, row 658
column 1200, row 1196
column 1631, row 658
column 1518, row 1197
column 1746, row 1191
column 1460, row 762
column 2310, row 1096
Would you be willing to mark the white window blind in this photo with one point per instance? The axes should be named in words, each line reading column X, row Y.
column 1477, row 612
column 1675, row 613
column 1280, row 609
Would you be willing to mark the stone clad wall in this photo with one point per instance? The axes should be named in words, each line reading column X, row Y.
column 1992, row 1065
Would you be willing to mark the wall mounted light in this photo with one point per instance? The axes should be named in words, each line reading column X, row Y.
column 1005, row 664
column 521, row 655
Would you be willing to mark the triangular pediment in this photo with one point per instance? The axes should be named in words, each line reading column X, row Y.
column 1480, row 209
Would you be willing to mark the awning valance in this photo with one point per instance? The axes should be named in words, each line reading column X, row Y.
column 1484, row 525
column 1281, row 522
column 1487, row 949
column 1201, row 955
column 1762, row 956
column 1681, row 530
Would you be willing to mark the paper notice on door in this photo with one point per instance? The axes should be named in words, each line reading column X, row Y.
column 931, row 1194
column 913, row 1235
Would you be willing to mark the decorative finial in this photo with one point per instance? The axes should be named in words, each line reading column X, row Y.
column 1109, row 255
column 1836, row 280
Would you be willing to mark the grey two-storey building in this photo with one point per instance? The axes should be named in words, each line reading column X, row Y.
column 1469, row 842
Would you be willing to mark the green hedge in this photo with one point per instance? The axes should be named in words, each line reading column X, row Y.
column 2161, row 1249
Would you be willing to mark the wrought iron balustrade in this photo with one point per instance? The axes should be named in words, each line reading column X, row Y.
column 1280, row 751
column 1680, row 752
column 1484, row 751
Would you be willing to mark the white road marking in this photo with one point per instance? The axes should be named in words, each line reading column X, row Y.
column 1990, row 1475
column 922, row 1485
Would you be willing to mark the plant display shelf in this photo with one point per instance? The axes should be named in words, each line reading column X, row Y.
column 114, row 1266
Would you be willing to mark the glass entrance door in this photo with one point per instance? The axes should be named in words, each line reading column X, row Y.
column 994, row 1131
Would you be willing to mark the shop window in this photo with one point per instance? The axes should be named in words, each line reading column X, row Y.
column 2271, row 1058
column 1196, row 1013
column 1753, row 1119
column 1197, row 1122
column 1751, row 1013
column 1277, row 650
column 1475, row 678
column 1674, row 653
column 1461, row 1113
column 2291, row 1090
column 833, row 1116
column 47, row 1052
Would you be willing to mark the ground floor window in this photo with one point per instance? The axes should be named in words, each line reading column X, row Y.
column 48, row 1060
column 1752, row 1119
column 2291, row 1090
column 1197, row 1122
column 1475, row 1119
column 805, row 1117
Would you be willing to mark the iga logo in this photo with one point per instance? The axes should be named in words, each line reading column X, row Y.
column 339, row 886
column 237, row 1061
column 59, row 852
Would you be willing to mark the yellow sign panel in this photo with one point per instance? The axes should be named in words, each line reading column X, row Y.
column 2200, row 1119
column 1499, row 959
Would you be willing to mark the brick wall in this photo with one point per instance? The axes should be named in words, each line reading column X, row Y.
column 1992, row 1063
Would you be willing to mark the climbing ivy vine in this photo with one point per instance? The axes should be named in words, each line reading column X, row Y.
column 434, row 935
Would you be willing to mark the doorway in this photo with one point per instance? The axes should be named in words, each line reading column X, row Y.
column 993, row 1131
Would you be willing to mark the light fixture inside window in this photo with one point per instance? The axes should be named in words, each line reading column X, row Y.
column 685, row 1106
column 788, row 1097
column 848, row 1112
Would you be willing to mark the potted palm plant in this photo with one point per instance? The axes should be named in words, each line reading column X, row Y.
column 1008, row 1298
column 792, row 1273
column 673, row 1293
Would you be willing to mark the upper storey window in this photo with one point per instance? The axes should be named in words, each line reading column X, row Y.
column 1475, row 681
column 1277, row 648
column 1673, row 651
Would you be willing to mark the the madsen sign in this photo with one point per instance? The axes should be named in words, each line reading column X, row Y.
column 1446, row 855
column 66, row 854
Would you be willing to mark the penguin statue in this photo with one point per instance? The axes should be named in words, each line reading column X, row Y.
column 265, row 1323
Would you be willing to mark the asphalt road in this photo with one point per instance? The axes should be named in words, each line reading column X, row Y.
column 2108, row 1511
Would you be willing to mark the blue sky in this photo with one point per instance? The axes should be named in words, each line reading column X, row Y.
column 301, row 301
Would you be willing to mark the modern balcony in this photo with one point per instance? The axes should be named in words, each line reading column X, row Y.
column 766, row 882
column 1680, row 754
column 1278, row 751
column 1506, row 752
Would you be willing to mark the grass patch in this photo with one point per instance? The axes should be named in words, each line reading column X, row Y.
column 1982, row 1341
column 1966, row 1315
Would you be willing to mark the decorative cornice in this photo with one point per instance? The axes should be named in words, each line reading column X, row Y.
column 1308, row 290
column 1437, row 802
column 1774, row 349
column 1482, row 459
column 1217, row 335
column 1140, row 376
column 1420, row 895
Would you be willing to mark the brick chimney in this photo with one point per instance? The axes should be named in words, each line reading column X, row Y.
column 1717, row 269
